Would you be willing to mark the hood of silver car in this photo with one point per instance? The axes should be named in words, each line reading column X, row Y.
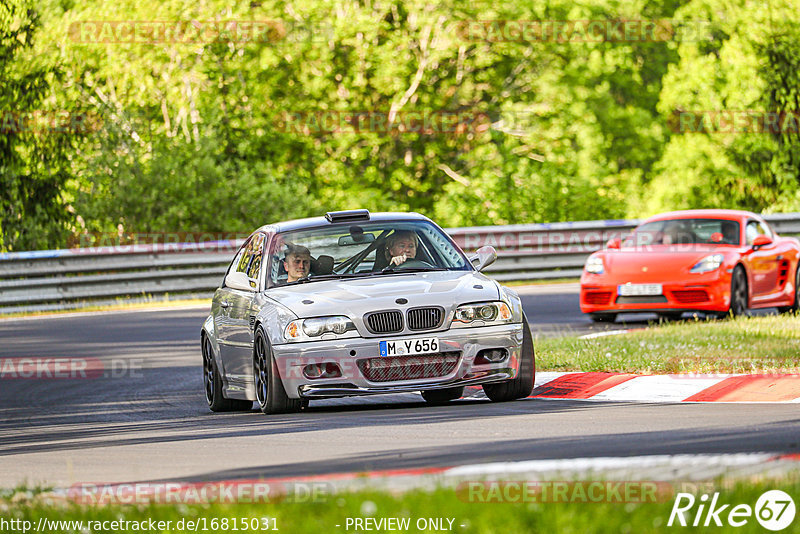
column 356, row 296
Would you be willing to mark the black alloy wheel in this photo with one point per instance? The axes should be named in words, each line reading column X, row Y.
column 738, row 293
column 212, row 384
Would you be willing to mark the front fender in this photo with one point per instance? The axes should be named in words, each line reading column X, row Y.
column 512, row 298
column 274, row 317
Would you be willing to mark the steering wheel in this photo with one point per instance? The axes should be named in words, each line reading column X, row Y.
column 413, row 264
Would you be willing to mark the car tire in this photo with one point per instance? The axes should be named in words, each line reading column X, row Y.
column 212, row 382
column 442, row 396
column 270, row 393
column 739, row 297
column 603, row 317
column 522, row 385
column 796, row 306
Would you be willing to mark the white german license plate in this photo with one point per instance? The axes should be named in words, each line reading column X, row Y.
column 639, row 290
column 405, row 347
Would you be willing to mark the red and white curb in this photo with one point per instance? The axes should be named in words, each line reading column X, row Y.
column 623, row 387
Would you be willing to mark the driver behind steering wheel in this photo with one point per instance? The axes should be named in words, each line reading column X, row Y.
column 401, row 246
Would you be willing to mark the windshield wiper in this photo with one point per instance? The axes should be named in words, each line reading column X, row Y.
column 391, row 270
column 314, row 278
column 302, row 280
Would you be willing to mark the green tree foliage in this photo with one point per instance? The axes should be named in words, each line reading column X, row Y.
column 34, row 149
column 748, row 67
column 194, row 135
column 216, row 135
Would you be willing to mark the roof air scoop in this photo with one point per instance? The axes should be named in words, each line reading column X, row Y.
column 348, row 215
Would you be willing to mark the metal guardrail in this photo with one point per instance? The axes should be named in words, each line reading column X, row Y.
column 75, row 278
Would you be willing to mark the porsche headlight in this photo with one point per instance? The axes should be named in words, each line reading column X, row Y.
column 315, row 327
column 482, row 314
column 708, row 264
column 594, row 265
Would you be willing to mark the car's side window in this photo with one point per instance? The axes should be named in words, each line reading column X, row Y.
column 763, row 229
column 244, row 260
column 257, row 247
column 755, row 229
column 237, row 260
column 750, row 232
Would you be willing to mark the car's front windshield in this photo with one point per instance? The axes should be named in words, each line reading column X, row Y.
column 361, row 249
column 686, row 231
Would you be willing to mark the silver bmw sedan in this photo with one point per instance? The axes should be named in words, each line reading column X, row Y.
column 360, row 303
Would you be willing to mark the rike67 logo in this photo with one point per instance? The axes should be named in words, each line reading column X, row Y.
column 774, row 510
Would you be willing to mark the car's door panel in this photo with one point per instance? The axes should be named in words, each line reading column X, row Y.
column 221, row 309
column 239, row 357
column 763, row 263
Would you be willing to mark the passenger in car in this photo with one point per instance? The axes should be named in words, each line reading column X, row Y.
column 297, row 262
column 401, row 246
column 677, row 232
column 730, row 232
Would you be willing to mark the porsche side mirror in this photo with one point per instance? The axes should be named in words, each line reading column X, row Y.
column 761, row 241
column 240, row 281
column 614, row 242
column 483, row 257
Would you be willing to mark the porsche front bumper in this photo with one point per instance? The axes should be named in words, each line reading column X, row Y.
column 706, row 292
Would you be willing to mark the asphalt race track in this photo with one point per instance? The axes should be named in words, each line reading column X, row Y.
column 146, row 418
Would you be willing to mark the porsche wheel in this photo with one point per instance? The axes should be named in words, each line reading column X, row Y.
column 270, row 394
column 738, row 293
column 442, row 396
column 796, row 306
column 212, row 383
column 603, row 317
column 521, row 386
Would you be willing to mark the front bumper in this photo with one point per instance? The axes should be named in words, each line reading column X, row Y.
column 292, row 358
column 710, row 293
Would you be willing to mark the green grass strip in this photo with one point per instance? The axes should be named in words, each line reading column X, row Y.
column 766, row 344
column 329, row 514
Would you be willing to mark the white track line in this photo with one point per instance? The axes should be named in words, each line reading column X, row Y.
column 604, row 333
column 584, row 465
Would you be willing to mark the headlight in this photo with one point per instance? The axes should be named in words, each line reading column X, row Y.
column 309, row 329
column 482, row 314
column 594, row 265
column 709, row 263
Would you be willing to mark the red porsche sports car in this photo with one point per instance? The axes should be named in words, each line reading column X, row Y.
column 714, row 261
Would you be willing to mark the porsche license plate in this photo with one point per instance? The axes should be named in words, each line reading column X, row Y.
column 639, row 290
column 405, row 347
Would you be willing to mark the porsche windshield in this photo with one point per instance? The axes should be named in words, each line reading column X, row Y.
column 364, row 249
column 686, row 231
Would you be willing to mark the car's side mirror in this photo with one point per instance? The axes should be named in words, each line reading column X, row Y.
column 483, row 257
column 240, row 281
column 761, row 241
column 614, row 242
